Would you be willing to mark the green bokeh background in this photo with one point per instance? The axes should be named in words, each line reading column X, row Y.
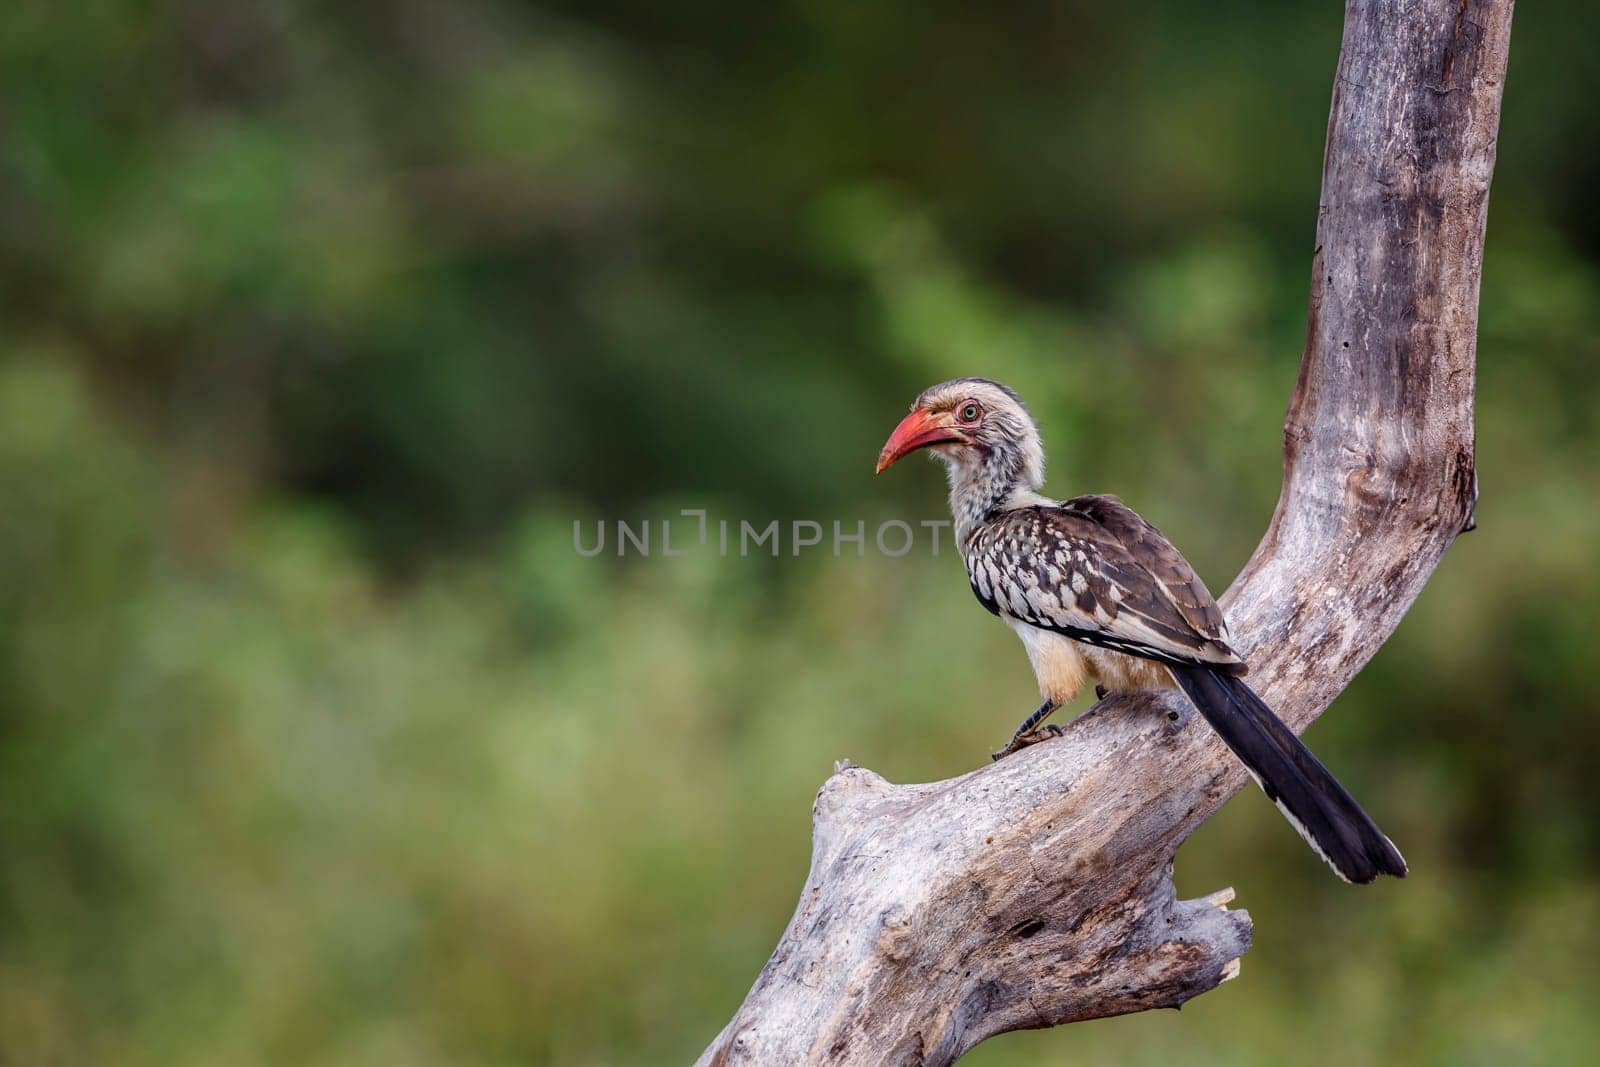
column 320, row 324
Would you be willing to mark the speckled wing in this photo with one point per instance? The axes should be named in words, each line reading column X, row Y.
column 1092, row 569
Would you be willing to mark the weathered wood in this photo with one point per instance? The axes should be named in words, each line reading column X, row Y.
column 1038, row 891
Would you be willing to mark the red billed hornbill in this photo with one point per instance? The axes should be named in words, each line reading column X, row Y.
column 1095, row 591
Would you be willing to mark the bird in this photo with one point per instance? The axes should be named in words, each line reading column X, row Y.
column 1095, row 591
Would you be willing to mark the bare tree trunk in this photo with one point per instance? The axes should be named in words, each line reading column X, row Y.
column 1038, row 891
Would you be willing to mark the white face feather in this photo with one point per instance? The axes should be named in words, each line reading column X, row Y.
column 1006, row 468
column 1006, row 424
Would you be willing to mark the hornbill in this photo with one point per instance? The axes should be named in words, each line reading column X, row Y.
column 1095, row 591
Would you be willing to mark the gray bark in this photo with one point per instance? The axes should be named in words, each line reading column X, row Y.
column 1038, row 891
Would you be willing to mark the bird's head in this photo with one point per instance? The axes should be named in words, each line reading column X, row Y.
column 978, row 427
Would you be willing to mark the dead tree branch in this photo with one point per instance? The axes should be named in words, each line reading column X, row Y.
column 1038, row 891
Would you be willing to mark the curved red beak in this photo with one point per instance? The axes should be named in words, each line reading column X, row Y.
column 917, row 430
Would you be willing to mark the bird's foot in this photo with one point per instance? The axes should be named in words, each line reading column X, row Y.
column 1032, row 737
column 1100, row 691
column 1025, row 734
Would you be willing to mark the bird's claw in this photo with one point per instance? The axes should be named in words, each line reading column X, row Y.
column 1032, row 737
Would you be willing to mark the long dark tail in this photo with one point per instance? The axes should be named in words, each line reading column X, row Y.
column 1311, row 798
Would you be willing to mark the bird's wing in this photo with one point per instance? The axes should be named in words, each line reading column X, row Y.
column 1093, row 569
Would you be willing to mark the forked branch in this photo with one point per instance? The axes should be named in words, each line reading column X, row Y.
column 1038, row 891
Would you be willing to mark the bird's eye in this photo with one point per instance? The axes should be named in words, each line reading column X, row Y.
column 969, row 412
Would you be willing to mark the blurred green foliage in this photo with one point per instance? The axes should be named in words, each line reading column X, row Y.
column 320, row 324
